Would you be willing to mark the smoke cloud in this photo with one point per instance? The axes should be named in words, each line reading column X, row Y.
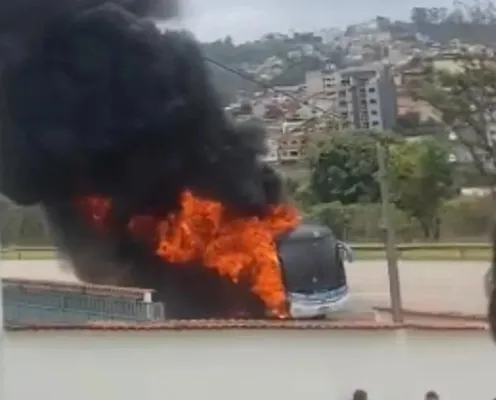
column 96, row 100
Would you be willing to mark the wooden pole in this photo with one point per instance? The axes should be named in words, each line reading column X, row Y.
column 389, row 236
column 2, row 330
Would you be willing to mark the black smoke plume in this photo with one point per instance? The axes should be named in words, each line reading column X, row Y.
column 96, row 100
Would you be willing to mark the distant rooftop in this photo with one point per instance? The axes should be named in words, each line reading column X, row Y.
column 375, row 66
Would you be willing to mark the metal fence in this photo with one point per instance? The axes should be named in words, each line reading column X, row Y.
column 26, row 306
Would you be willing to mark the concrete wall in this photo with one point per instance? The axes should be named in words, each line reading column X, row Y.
column 247, row 365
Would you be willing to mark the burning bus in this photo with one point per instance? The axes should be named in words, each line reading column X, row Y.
column 312, row 264
column 277, row 267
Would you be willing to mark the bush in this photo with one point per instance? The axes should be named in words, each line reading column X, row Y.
column 360, row 222
column 334, row 215
column 461, row 219
column 466, row 218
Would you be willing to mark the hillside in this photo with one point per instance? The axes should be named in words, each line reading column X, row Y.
column 275, row 59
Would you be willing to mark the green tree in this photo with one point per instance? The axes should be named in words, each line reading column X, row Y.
column 466, row 99
column 383, row 23
column 472, row 24
column 344, row 169
column 292, row 186
column 420, row 16
column 334, row 215
column 228, row 41
column 422, row 179
column 410, row 124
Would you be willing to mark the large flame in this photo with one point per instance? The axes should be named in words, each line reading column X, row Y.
column 204, row 231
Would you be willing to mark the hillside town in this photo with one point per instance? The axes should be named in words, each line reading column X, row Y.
column 359, row 79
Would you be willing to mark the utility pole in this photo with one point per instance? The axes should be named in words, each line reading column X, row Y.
column 389, row 235
column 2, row 331
column 1, row 290
column 1, row 295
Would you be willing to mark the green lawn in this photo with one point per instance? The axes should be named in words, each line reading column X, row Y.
column 428, row 254
column 29, row 255
column 421, row 255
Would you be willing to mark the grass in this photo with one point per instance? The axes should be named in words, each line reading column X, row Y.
column 429, row 255
column 29, row 255
column 419, row 255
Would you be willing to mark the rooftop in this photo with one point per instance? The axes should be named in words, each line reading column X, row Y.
column 439, row 324
column 106, row 290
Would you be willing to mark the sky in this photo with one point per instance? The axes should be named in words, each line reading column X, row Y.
column 247, row 20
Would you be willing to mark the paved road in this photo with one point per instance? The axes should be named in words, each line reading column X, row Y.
column 437, row 285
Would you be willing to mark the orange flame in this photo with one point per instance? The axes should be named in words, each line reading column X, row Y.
column 202, row 231
column 95, row 209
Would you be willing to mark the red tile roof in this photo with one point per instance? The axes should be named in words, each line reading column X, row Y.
column 260, row 324
column 443, row 315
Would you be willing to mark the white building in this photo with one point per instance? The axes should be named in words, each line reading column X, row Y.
column 365, row 96
column 247, row 364
column 272, row 154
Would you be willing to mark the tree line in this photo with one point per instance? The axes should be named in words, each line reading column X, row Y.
column 343, row 188
column 473, row 23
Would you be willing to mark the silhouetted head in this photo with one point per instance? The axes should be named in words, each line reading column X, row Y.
column 360, row 394
column 431, row 395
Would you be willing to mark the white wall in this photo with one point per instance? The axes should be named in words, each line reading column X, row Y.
column 376, row 107
column 248, row 365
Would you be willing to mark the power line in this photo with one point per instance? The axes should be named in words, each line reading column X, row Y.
column 262, row 84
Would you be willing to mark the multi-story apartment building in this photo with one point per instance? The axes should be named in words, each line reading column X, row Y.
column 365, row 96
